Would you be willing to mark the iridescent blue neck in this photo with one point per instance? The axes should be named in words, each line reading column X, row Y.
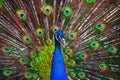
column 57, row 44
column 58, row 71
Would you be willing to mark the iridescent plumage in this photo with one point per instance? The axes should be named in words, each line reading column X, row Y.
column 92, row 36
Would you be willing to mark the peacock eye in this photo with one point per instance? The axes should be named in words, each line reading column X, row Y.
column 8, row 72
column 28, row 75
column 27, row 39
column 23, row 60
column 21, row 14
column 72, row 36
column 100, row 27
column 82, row 56
column 67, row 11
column 113, row 50
column 81, row 75
column 54, row 29
column 102, row 66
column 68, row 51
column 94, row 45
column 47, row 10
column 39, row 32
column 6, row 49
column 72, row 73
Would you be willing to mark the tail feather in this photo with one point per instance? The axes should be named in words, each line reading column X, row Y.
column 92, row 33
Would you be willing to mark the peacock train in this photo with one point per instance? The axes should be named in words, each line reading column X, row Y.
column 59, row 39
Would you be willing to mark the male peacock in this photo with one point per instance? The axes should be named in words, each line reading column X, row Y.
column 58, row 71
column 31, row 34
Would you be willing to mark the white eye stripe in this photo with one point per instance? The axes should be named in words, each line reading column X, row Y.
column 63, row 40
column 56, row 37
column 59, row 38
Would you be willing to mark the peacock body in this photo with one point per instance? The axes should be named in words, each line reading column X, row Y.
column 31, row 33
column 58, row 71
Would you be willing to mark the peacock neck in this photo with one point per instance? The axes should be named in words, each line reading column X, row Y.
column 58, row 71
column 57, row 44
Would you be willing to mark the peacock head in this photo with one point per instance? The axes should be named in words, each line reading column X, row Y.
column 60, row 37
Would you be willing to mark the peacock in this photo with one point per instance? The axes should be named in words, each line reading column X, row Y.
column 59, row 39
column 58, row 71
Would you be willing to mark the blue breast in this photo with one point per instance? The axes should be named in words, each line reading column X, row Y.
column 58, row 71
